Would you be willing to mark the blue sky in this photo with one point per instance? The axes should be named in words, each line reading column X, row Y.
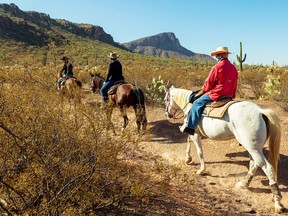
column 200, row 25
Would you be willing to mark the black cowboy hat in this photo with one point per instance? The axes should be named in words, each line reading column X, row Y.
column 64, row 58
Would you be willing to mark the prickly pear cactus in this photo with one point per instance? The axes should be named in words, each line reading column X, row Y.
column 155, row 91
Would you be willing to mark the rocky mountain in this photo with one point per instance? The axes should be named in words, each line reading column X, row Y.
column 39, row 29
column 165, row 45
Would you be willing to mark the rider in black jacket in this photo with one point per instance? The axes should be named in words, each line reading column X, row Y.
column 114, row 74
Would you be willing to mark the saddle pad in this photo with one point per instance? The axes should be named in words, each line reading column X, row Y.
column 216, row 112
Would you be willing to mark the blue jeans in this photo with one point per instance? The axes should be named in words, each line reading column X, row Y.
column 104, row 89
column 198, row 106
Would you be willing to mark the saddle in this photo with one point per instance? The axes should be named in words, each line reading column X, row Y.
column 217, row 109
column 64, row 80
column 112, row 90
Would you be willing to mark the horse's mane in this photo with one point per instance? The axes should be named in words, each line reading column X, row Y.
column 180, row 96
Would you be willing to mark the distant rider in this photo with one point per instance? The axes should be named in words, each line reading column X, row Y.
column 66, row 71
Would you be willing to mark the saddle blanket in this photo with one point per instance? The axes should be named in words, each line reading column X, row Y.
column 216, row 112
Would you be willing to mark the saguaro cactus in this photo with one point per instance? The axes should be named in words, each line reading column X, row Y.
column 239, row 58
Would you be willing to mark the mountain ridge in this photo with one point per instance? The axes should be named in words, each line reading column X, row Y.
column 165, row 45
column 39, row 29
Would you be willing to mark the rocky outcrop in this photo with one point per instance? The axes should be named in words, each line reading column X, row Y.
column 165, row 45
column 39, row 29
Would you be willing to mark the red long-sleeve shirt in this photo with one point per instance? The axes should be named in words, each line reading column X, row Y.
column 222, row 80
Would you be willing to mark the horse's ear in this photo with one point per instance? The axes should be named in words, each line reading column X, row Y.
column 92, row 75
column 166, row 89
column 98, row 74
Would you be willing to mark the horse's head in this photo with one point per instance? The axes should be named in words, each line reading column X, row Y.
column 169, row 110
column 97, row 82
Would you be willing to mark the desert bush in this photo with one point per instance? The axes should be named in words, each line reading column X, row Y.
column 57, row 156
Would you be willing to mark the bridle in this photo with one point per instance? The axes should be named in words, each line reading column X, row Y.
column 175, row 110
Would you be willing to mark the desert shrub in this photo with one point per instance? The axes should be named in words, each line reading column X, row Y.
column 282, row 88
column 254, row 78
column 271, row 86
column 57, row 156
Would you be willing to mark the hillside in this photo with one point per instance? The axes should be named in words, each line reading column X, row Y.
column 39, row 29
column 165, row 45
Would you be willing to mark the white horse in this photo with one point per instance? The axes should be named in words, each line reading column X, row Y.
column 249, row 124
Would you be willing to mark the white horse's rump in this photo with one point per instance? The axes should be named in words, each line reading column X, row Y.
column 249, row 124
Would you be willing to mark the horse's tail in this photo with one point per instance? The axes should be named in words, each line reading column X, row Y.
column 140, row 103
column 273, row 138
column 139, row 95
column 79, row 84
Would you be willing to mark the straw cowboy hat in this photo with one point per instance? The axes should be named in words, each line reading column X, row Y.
column 220, row 50
column 113, row 55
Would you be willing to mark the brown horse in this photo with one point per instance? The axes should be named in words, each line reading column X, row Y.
column 70, row 88
column 98, row 82
column 125, row 96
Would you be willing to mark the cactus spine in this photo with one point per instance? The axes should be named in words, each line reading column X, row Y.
column 239, row 58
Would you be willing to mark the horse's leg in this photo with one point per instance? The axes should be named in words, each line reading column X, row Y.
column 137, row 111
column 262, row 162
column 188, row 159
column 268, row 170
column 124, row 115
column 108, row 108
column 143, row 117
column 252, row 170
column 197, row 141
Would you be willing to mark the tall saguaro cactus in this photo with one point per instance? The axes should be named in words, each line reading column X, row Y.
column 239, row 58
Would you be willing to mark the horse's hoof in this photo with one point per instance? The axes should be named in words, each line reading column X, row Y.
column 200, row 172
column 189, row 160
column 279, row 208
column 241, row 185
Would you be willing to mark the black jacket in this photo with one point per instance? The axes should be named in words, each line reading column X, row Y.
column 115, row 71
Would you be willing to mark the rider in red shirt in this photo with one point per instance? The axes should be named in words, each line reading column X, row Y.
column 222, row 81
